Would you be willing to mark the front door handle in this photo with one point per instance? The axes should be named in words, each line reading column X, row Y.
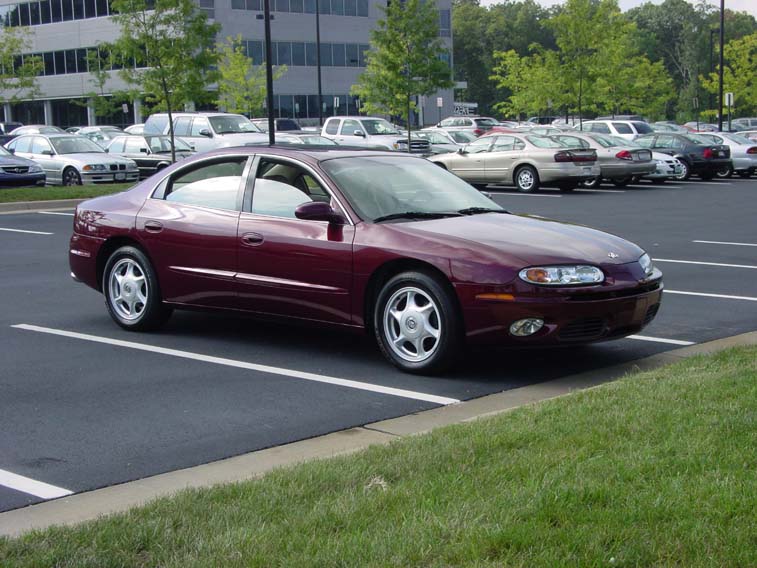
column 252, row 239
column 153, row 226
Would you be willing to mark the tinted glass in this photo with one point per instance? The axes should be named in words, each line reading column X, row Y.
column 332, row 126
column 40, row 145
column 117, row 145
column 215, row 185
column 622, row 128
column 480, row 145
column 199, row 124
column 280, row 188
column 21, row 145
column 298, row 53
column 135, row 145
column 232, row 123
column 339, row 55
column 378, row 126
column 181, row 126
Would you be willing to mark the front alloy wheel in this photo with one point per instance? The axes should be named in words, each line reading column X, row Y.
column 71, row 177
column 526, row 179
column 685, row 172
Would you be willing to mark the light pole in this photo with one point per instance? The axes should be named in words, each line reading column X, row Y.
column 712, row 63
column 720, row 71
column 269, row 72
column 318, row 58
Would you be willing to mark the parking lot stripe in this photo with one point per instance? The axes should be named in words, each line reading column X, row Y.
column 725, row 296
column 55, row 213
column 291, row 373
column 31, row 486
column 660, row 340
column 23, row 231
column 712, row 182
column 726, row 243
column 705, row 263
column 600, row 190
column 503, row 192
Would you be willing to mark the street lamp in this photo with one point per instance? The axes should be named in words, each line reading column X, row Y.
column 712, row 64
column 318, row 59
column 269, row 71
column 720, row 71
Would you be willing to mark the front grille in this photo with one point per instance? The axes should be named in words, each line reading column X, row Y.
column 16, row 169
column 420, row 146
column 113, row 167
column 583, row 329
column 651, row 313
column 624, row 293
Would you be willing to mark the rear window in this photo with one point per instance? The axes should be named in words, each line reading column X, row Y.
column 332, row 126
column 622, row 128
column 544, row 142
column 642, row 127
column 156, row 124
column 287, row 124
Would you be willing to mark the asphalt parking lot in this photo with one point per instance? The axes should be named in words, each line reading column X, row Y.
column 85, row 404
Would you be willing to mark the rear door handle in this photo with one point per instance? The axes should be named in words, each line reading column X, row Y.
column 153, row 226
column 252, row 239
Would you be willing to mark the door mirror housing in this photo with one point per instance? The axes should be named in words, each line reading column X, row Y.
column 205, row 132
column 359, row 133
column 11, row 150
column 461, row 150
column 47, row 153
column 318, row 211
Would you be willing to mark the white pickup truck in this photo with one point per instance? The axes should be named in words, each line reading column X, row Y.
column 370, row 132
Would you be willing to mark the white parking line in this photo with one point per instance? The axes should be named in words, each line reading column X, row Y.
column 599, row 190
column 55, row 213
column 31, row 486
column 660, row 340
column 711, row 182
column 726, row 243
column 724, row 296
column 705, row 263
column 23, row 231
column 290, row 373
column 503, row 192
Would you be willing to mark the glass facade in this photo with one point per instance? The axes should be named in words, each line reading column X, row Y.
column 69, row 61
column 327, row 7
column 53, row 11
column 306, row 106
column 303, row 53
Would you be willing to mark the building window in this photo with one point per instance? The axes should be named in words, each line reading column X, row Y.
column 298, row 53
column 339, row 55
column 445, row 24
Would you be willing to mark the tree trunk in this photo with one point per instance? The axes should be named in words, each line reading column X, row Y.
column 580, row 93
column 408, row 123
column 167, row 95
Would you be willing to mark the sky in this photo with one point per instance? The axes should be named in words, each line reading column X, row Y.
column 749, row 6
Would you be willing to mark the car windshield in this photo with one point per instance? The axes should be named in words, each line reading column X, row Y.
column 378, row 126
column 377, row 186
column 159, row 144
column 544, row 142
column 232, row 124
column 739, row 139
column 75, row 145
column 318, row 141
column 461, row 136
column 433, row 137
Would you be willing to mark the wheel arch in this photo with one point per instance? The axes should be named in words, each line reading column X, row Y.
column 110, row 246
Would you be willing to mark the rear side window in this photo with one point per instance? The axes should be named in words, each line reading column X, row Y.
column 287, row 124
column 156, row 124
column 181, row 126
column 332, row 126
column 642, row 127
column 213, row 185
column 622, row 128
column 599, row 127
column 117, row 145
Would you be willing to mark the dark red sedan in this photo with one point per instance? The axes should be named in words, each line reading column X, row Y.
column 376, row 241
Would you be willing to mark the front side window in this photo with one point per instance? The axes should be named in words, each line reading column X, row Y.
column 21, row 145
column 478, row 146
column 349, row 127
column 378, row 126
column 117, row 145
column 280, row 187
column 136, row 146
column 198, row 125
column 40, row 145
column 232, row 123
column 214, row 185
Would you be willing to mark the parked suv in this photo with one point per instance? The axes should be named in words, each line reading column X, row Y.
column 628, row 129
column 204, row 131
column 370, row 132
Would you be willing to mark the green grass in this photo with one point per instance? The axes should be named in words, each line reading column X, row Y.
column 49, row 192
column 657, row 469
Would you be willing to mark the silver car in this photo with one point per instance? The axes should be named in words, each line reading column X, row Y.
column 525, row 160
column 618, row 161
column 743, row 152
column 70, row 159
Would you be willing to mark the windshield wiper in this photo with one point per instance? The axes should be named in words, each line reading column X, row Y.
column 478, row 210
column 414, row 215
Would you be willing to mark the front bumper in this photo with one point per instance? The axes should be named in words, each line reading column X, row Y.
column 574, row 172
column 88, row 178
column 22, row 179
column 623, row 171
column 667, row 169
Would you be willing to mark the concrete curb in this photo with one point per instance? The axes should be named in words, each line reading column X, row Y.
column 30, row 206
column 117, row 498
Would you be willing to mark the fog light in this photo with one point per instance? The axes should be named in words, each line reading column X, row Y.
column 525, row 327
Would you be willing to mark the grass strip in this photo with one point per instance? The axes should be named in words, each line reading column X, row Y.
column 656, row 469
column 49, row 192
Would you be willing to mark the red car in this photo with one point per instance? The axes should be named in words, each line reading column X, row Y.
column 376, row 241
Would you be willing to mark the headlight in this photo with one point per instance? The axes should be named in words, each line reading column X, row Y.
column 661, row 163
column 94, row 168
column 562, row 275
column 35, row 169
column 646, row 264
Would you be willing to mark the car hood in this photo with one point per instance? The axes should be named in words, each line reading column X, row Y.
column 95, row 158
column 241, row 138
column 16, row 161
column 531, row 240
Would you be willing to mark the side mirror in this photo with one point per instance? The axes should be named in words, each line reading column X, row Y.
column 47, row 153
column 359, row 133
column 143, row 150
column 461, row 150
column 11, row 150
column 318, row 211
column 205, row 132
column 438, row 124
column 106, row 150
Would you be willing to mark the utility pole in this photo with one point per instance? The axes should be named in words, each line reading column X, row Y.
column 269, row 72
column 318, row 59
column 720, row 71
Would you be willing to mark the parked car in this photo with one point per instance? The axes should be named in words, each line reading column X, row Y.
column 743, row 152
column 310, row 139
column 281, row 124
column 150, row 153
column 700, row 127
column 628, row 129
column 381, row 242
column 441, row 141
column 744, row 123
column 370, row 132
column 100, row 135
column 618, row 163
column 36, row 129
column 667, row 167
column 8, row 127
column 750, row 134
column 542, row 119
column 696, row 156
column 669, row 127
column 15, row 170
column 136, row 129
column 70, row 159
column 204, row 131
column 527, row 161
column 478, row 124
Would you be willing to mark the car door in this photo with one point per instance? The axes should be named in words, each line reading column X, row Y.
column 288, row 266
column 499, row 160
column 135, row 148
column 189, row 228
column 202, row 135
column 42, row 152
column 347, row 133
column 469, row 163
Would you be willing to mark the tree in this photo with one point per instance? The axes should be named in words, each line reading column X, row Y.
column 18, row 75
column 405, row 60
column 739, row 74
column 167, row 50
column 241, row 86
column 104, row 102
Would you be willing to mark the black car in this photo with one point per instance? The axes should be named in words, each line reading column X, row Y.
column 696, row 158
column 19, row 171
column 152, row 153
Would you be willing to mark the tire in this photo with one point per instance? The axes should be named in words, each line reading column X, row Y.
column 526, row 179
column 142, row 309
column 725, row 172
column 685, row 172
column 417, row 305
column 592, row 183
column 623, row 182
column 71, row 177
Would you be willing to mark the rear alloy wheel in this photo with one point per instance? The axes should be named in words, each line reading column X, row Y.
column 71, row 177
column 526, row 179
column 592, row 183
column 685, row 172
column 416, row 323
column 724, row 172
column 131, row 291
column 622, row 182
